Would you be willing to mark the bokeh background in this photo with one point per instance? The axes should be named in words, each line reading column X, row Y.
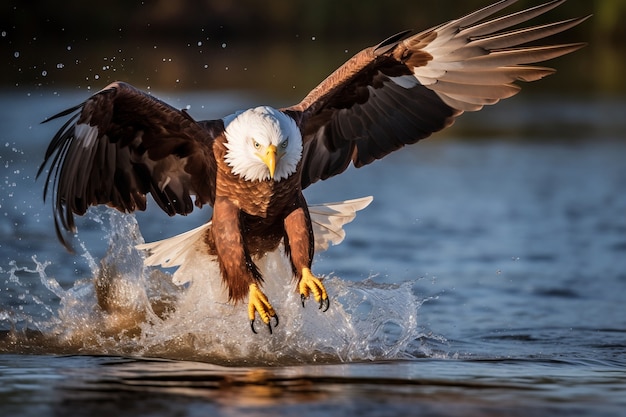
column 279, row 49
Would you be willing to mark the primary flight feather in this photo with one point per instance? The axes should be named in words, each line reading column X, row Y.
column 122, row 144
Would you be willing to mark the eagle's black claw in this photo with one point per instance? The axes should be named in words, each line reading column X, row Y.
column 325, row 304
column 312, row 285
column 269, row 325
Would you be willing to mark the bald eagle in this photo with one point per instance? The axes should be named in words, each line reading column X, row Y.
column 122, row 144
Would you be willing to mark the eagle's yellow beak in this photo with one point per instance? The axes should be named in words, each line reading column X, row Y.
column 270, row 159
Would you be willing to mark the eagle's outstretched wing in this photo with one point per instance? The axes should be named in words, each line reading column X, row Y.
column 123, row 144
column 410, row 86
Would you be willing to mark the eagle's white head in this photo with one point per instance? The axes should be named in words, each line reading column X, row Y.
column 262, row 143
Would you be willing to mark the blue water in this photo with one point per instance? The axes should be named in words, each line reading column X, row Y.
column 486, row 278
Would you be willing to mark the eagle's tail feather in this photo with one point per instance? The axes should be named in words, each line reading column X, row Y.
column 173, row 251
column 327, row 218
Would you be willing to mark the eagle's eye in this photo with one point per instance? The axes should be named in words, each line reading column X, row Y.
column 284, row 144
column 257, row 145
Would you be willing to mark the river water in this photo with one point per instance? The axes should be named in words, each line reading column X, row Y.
column 487, row 278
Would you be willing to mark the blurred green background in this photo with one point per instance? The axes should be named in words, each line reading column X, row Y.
column 280, row 49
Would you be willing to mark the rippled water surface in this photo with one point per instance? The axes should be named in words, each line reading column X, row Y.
column 487, row 278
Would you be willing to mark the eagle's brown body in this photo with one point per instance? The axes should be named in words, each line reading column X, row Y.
column 123, row 144
column 251, row 219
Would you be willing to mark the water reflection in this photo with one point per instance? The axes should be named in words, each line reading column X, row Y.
column 117, row 386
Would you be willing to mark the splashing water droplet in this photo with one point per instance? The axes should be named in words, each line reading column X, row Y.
column 130, row 309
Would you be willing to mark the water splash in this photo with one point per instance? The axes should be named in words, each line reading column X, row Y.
column 128, row 309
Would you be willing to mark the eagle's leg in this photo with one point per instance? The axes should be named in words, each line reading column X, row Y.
column 239, row 272
column 299, row 243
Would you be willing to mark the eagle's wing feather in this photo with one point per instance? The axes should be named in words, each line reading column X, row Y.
column 410, row 86
column 123, row 144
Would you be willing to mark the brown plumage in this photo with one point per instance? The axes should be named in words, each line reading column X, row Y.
column 122, row 144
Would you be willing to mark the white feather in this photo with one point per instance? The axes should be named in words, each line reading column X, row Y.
column 327, row 218
column 174, row 250
column 266, row 126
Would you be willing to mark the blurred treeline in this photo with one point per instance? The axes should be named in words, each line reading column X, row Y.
column 269, row 19
column 228, row 43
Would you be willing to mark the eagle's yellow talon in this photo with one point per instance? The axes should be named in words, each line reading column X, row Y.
column 309, row 283
column 257, row 302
